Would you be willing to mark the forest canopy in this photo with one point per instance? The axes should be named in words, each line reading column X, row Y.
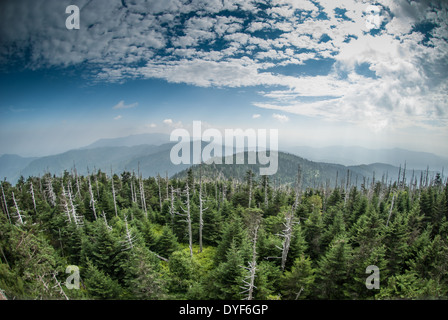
column 195, row 237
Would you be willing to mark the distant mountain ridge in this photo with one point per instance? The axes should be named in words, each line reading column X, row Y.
column 314, row 174
column 156, row 139
column 130, row 154
column 360, row 155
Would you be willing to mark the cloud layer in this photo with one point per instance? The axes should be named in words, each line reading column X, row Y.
column 394, row 77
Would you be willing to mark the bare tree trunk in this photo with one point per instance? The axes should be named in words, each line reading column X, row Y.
column 128, row 242
column 289, row 220
column 132, row 189
column 254, row 224
column 92, row 199
column 58, row 284
column 97, row 186
column 78, row 191
column 105, row 221
column 253, row 265
column 113, row 192
column 75, row 216
column 32, row 196
column 160, row 191
column 187, row 215
column 201, row 209
column 347, row 187
column 50, row 191
column 390, row 210
column 6, row 205
column 142, row 195
column 172, row 208
column 17, row 209
column 287, row 234
column 65, row 204
column 188, row 212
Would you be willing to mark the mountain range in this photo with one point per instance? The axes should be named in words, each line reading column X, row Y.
column 353, row 155
column 150, row 155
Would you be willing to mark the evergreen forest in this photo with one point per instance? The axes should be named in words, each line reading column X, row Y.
column 199, row 238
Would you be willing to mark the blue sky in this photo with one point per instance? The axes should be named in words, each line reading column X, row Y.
column 315, row 70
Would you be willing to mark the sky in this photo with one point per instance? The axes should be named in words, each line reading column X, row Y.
column 322, row 72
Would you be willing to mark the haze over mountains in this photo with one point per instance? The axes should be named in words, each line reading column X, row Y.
column 150, row 153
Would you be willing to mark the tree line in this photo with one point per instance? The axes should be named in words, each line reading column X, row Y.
column 200, row 238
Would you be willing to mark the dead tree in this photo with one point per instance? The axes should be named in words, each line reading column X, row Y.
column 50, row 191
column 254, row 220
column 19, row 216
column 347, row 186
column 201, row 209
column 105, row 222
column 289, row 220
column 250, row 187
column 113, row 191
column 128, row 243
column 266, row 201
column 391, row 208
column 78, row 191
column 160, row 191
column 6, row 205
column 92, row 199
column 65, row 204
column 58, row 285
column 172, row 211
column 187, row 215
column 142, row 196
column 77, row 219
column 33, row 197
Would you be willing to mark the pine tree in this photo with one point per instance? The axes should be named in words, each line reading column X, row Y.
column 297, row 283
column 99, row 285
column 104, row 249
column 229, row 275
column 334, row 270
column 167, row 243
column 142, row 275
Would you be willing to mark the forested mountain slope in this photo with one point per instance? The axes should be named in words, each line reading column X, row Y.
column 198, row 238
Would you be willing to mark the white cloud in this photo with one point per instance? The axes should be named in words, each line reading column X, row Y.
column 118, row 117
column 121, row 105
column 256, row 116
column 280, row 117
column 173, row 124
column 124, row 43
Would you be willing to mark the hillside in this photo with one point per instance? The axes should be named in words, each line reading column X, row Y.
column 314, row 174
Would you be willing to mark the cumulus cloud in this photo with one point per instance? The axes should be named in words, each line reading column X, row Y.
column 280, row 117
column 256, row 116
column 118, row 117
column 213, row 43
